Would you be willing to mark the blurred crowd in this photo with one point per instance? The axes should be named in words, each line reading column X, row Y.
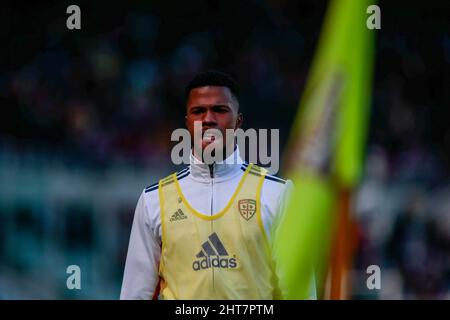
column 120, row 92
column 403, row 217
column 114, row 91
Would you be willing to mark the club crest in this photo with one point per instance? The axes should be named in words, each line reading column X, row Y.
column 247, row 208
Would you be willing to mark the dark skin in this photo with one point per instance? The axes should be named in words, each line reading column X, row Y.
column 216, row 108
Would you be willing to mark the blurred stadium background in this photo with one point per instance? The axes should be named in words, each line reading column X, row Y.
column 87, row 117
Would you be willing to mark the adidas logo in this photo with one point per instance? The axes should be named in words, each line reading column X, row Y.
column 211, row 253
column 178, row 215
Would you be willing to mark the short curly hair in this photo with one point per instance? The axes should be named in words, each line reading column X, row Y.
column 213, row 78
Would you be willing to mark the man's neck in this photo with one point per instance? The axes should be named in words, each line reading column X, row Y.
column 227, row 152
column 222, row 170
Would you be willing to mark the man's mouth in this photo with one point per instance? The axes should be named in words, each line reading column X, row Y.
column 208, row 137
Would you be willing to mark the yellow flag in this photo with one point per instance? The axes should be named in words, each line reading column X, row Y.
column 326, row 146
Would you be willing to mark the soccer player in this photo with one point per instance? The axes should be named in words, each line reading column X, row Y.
column 204, row 232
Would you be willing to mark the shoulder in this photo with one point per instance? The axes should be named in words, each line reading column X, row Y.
column 274, row 186
column 151, row 194
column 260, row 171
column 150, row 202
column 151, row 189
column 180, row 175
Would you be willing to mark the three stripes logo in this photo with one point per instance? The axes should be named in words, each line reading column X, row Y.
column 178, row 215
column 211, row 253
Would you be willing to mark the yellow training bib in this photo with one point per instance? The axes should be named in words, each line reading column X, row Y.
column 223, row 256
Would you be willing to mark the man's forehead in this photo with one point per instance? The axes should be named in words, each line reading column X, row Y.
column 210, row 95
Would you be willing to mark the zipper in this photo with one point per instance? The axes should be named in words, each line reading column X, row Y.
column 211, row 174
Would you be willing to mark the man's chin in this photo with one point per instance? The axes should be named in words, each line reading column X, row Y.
column 210, row 148
column 209, row 144
column 212, row 144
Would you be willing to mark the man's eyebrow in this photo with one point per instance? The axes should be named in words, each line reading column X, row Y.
column 195, row 107
column 221, row 105
column 215, row 105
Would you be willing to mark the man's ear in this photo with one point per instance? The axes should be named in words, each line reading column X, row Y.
column 239, row 120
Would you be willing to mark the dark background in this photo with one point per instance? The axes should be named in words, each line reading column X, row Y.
column 87, row 116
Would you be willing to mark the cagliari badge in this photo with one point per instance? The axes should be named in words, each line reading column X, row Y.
column 247, row 208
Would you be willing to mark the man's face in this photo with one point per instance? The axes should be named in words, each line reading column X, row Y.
column 215, row 108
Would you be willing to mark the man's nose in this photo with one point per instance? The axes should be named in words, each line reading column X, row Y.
column 209, row 117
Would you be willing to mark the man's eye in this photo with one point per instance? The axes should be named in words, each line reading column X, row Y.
column 196, row 111
column 220, row 110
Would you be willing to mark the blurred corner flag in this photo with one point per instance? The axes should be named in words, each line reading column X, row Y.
column 324, row 158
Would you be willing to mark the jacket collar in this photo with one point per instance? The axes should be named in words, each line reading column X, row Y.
column 221, row 170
